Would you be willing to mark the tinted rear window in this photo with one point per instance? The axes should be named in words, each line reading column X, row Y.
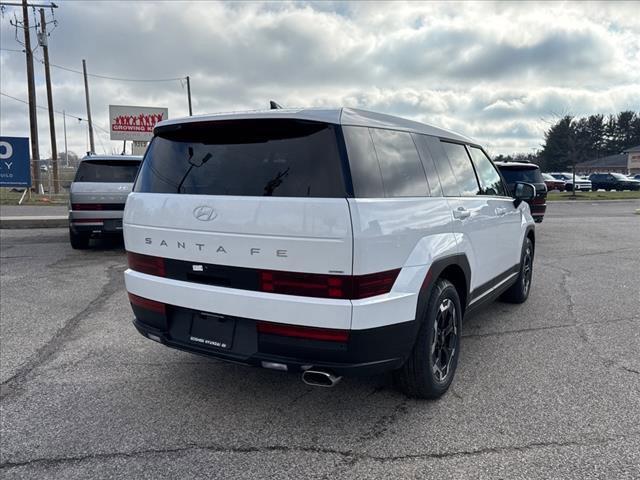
column 402, row 172
column 528, row 175
column 280, row 158
column 363, row 162
column 109, row 171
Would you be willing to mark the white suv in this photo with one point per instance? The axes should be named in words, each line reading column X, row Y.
column 327, row 242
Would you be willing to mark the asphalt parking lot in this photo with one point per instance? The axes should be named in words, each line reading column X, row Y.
column 548, row 389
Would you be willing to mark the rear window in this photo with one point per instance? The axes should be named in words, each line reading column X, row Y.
column 522, row 174
column 108, row 171
column 280, row 158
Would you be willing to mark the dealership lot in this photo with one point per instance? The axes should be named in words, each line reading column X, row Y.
column 548, row 389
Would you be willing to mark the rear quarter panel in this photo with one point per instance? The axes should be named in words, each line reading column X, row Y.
column 407, row 233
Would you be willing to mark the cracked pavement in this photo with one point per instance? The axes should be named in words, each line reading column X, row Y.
column 548, row 389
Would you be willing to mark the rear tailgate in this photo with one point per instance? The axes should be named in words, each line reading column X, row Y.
column 243, row 214
column 100, row 193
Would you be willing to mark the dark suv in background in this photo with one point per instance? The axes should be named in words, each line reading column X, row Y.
column 613, row 181
column 514, row 172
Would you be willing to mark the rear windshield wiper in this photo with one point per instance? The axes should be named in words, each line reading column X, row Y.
column 192, row 164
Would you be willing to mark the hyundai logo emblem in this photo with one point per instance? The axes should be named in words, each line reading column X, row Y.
column 204, row 213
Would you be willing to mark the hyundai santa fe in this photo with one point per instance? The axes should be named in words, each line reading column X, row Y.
column 324, row 242
column 97, row 197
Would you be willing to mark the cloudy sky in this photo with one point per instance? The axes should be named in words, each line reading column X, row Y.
column 496, row 72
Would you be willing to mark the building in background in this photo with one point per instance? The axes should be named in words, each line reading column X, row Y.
column 625, row 162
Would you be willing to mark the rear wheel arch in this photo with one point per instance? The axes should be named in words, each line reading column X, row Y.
column 455, row 269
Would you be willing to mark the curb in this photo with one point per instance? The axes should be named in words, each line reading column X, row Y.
column 16, row 222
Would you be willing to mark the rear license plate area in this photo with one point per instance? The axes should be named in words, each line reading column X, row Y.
column 112, row 225
column 212, row 330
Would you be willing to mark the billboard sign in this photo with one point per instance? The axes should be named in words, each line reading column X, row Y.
column 15, row 167
column 134, row 123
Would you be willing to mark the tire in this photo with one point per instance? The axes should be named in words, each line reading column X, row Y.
column 79, row 241
column 425, row 374
column 519, row 291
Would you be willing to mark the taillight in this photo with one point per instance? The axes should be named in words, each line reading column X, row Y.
column 147, row 304
column 310, row 333
column 327, row 286
column 86, row 206
column 374, row 283
column 146, row 264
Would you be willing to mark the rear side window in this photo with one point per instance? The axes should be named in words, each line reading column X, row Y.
column 462, row 169
column 489, row 177
column 402, row 172
column 522, row 174
column 280, row 158
column 108, row 171
column 363, row 162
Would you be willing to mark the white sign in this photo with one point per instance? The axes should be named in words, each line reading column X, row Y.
column 134, row 123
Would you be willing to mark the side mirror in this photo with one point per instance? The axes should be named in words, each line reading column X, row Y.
column 522, row 192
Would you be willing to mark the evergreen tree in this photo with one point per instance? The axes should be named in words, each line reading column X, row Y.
column 559, row 139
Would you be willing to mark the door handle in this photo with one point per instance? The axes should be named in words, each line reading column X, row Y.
column 501, row 211
column 461, row 213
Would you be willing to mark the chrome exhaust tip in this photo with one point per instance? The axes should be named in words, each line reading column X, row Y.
column 320, row 378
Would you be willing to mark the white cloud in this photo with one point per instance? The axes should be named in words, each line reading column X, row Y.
column 494, row 71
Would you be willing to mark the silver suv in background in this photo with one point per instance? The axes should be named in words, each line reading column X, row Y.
column 97, row 196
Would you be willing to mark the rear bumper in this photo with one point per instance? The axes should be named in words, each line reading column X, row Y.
column 367, row 352
column 101, row 222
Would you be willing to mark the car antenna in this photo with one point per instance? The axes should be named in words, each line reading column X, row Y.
column 274, row 105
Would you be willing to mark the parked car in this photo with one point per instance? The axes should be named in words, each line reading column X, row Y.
column 635, row 177
column 553, row 183
column 326, row 242
column 97, row 196
column 613, row 181
column 582, row 183
column 514, row 172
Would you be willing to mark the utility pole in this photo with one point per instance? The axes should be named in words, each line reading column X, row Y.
column 43, row 41
column 33, row 116
column 86, row 92
column 64, row 126
column 189, row 95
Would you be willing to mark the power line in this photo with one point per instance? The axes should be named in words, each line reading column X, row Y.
column 80, row 119
column 106, row 77
column 119, row 79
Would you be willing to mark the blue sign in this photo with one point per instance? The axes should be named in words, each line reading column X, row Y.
column 15, row 167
